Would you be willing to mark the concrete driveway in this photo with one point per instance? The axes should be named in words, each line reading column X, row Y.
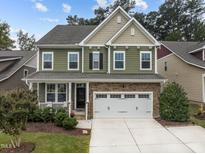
column 140, row 135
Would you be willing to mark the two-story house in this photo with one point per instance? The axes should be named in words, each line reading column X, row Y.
column 104, row 71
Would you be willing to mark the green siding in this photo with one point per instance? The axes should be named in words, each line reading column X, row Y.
column 41, row 92
column 87, row 51
column 61, row 59
column 132, row 60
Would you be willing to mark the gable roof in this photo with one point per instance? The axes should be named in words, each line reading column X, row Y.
column 140, row 27
column 119, row 8
column 66, row 35
column 25, row 56
column 182, row 50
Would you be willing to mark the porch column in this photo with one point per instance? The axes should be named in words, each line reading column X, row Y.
column 69, row 98
column 87, row 100
column 30, row 86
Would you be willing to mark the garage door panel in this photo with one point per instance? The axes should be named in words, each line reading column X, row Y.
column 122, row 105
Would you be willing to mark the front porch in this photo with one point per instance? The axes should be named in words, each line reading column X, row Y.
column 72, row 96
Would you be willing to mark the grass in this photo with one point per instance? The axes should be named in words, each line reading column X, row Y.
column 53, row 143
column 194, row 109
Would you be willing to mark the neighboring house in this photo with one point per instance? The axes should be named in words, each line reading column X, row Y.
column 15, row 65
column 184, row 63
column 104, row 71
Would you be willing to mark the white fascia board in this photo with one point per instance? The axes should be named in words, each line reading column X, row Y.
column 183, row 58
column 197, row 50
column 105, row 21
column 134, row 45
column 98, row 80
column 141, row 28
column 57, row 45
column 9, row 59
column 17, row 69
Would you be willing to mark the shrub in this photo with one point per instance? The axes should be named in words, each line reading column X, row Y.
column 174, row 103
column 69, row 123
column 48, row 114
column 61, row 110
column 59, row 117
column 36, row 116
column 15, row 106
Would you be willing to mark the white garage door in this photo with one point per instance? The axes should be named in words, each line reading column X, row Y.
column 123, row 104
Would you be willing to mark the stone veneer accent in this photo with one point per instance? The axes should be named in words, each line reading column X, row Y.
column 140, row 87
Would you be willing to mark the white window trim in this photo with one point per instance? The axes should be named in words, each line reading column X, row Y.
column 56, row 93
column 146, row 69
column 47, row 69
column 71, row 69
column 124, row 62
column 96, row 69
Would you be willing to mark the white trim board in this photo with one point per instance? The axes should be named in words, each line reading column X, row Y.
column 197, row 50
column 119, row 8
column 182, row 58
column 17, row 69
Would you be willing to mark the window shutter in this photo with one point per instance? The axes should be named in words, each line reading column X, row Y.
column 90, row 60
column 101, row 61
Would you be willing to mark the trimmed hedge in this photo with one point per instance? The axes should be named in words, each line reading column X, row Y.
column 69, row 123
column 174, row 103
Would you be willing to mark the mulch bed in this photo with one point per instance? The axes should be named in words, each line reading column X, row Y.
column 52, row 128
column 200, row 116
column 174, row 124
column 25, row 148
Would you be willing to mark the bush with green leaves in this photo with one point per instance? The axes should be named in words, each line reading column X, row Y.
column 48, row 114
column 14, row 108
column 174, row 103
column 59, row 117
column 69, row 123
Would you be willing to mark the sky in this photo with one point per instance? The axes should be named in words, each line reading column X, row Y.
column 39, row 16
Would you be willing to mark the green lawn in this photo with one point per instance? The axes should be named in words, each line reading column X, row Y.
column 194, row 109
column 54, row 143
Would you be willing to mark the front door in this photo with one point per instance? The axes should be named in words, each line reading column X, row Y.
column 80, row 96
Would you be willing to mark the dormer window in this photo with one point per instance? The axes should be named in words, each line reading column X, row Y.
column 47, row 61
column 132, row 31
column 119, row 19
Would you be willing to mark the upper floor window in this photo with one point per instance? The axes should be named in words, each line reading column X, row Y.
column 145, row 60
column 96, row 60
column 25, row 73
column 73, row 60
column 165, row 66
column 47, row 61
column 119, row 60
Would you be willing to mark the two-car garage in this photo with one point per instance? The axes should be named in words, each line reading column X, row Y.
column 123, row 104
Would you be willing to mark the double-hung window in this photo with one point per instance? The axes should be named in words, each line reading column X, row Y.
column 51, row 93
column 73, row 60
column 145, row 60
column 47, row 61
column 119, row 60
column 56, row 93
column 96, row 60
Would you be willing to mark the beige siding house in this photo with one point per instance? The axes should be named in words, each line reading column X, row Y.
column 177, row 63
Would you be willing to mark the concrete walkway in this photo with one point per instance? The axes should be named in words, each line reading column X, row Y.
column 140, row 135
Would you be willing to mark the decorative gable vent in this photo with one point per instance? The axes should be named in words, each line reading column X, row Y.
column 119, row 19
column 132, row 31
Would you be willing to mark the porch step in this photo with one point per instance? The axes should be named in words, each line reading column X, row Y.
column 79, row 115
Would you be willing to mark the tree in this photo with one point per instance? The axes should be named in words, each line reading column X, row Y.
column 25, row 42
column 174, row 104
column 5, row 41
column 14, row 108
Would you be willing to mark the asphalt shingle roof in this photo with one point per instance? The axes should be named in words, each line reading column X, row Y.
column 66, row 34
column 25, row 56
column 182, row 50
column 83, row 76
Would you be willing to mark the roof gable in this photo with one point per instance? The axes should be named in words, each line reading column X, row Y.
column 142, row 36
column 181, row 50
column 104, row 31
